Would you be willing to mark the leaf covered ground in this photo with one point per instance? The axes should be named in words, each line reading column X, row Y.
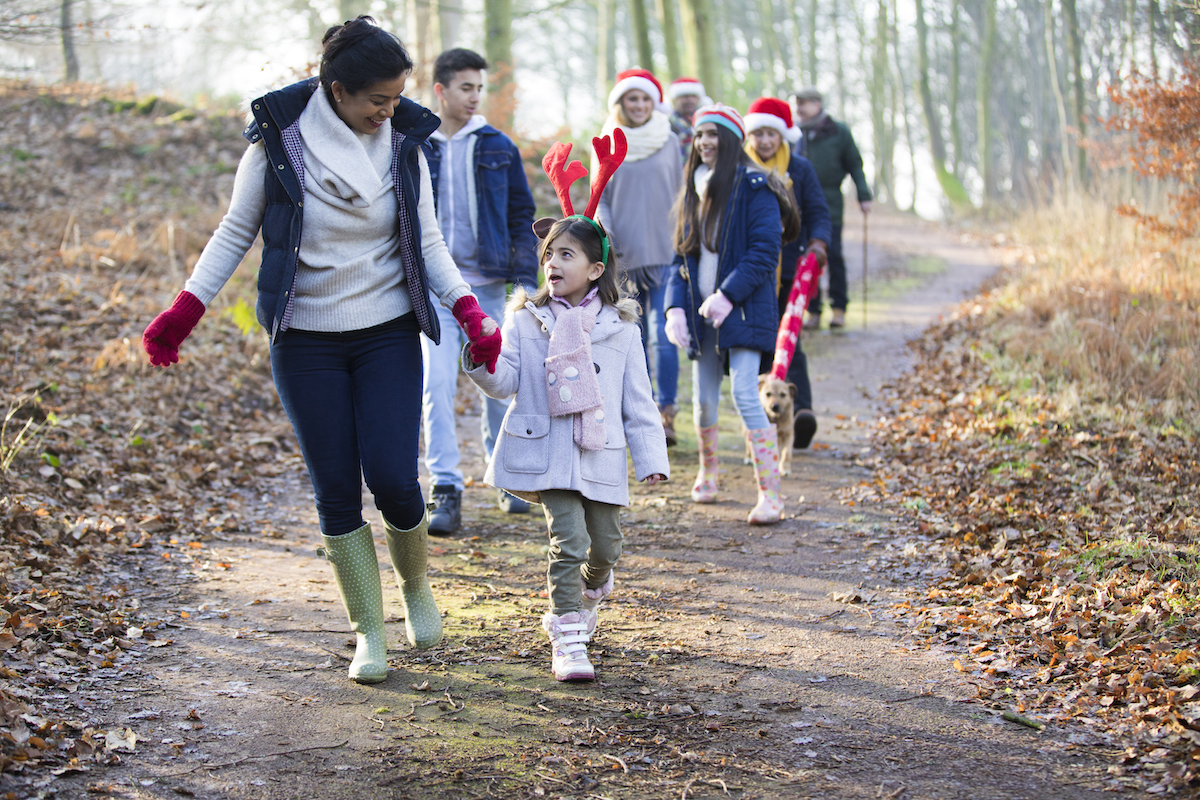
column 1060, row 540
column 1052, row 552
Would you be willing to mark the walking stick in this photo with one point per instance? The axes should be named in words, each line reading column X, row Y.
column 864, row 286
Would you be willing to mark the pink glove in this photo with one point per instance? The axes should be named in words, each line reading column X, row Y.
column 677, row 328
column 481, row 331
column 163, row 336
column 716, row 307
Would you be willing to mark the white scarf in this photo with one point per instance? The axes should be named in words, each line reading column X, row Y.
column 645, row 140
column 339, row 163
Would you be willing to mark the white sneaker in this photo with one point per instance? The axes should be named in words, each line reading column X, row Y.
column 591, row 602
column 569, row 637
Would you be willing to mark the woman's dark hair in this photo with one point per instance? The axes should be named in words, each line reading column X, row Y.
column 584, row 232
column 689, row 210
column 359, row 54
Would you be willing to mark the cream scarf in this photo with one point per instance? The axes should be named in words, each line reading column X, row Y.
column 347, row 168
column 643, row 141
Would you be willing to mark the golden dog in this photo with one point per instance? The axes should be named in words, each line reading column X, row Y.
column 777, row 398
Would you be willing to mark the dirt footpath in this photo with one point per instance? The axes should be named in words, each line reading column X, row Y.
column 731, row 661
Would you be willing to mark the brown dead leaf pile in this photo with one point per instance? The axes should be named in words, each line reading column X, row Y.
column 1060, row 548
column 104, row 461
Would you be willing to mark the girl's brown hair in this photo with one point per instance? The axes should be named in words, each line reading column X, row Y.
column 584, row 232
column 688, row 211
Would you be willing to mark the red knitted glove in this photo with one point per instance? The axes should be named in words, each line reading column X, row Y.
column 168, row 330
column 481, row 330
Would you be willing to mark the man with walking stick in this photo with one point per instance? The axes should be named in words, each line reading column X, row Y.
column 833, row 153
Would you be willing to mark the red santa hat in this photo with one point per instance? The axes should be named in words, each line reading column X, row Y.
column 638, row 79
column 681, row 87
column 771, row 112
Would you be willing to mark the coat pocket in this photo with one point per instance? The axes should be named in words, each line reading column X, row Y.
column 528, row 446
column 607, row 466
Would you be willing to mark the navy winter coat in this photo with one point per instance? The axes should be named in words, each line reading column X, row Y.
column 276, row 118
column 815, row 222
column 507, row 245
column 748, row 249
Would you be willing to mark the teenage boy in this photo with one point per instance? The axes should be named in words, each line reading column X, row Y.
column 485, row 211
column 686, row 95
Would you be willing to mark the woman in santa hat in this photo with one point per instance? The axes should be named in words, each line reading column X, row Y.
column 771, row 144
column 635, row 209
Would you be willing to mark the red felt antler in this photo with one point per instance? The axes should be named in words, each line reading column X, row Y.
column 609, row 161
column 563, row 173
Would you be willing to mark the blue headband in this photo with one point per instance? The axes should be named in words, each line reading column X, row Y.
column 720, row 120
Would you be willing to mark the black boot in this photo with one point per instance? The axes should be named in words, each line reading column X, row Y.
column 447, row 513
column 805, row 428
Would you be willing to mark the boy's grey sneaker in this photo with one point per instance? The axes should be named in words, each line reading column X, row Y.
column 511, row 504
column 446, row 516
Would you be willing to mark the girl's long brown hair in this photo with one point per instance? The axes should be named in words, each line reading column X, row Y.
column 688, row 210
column 584, row 232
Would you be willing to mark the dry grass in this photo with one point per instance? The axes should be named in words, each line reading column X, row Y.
column 1103, row 310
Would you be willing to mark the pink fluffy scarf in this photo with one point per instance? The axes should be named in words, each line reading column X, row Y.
column 571, row 383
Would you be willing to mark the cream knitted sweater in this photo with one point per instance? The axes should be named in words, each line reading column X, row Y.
column 349, row 275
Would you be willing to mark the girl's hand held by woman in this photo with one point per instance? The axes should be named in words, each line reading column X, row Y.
column 677, row 328
column 481, row 330
column 716, row 307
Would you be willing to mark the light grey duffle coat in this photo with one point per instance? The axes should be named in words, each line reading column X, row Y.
column 535, row 451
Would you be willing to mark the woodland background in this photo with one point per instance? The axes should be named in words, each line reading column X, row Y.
column 955, row 104
column 1044, row 444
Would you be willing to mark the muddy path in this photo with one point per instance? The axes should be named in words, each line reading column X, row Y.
column 731, row 661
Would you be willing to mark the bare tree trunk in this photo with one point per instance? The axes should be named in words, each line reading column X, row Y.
column 450, row 22
column 699, row 41
column 983, row 100
column 766, row 11
column 937, row 144
column 958, row 162
column 904, row 105
column 841, row 72
column 1154, row 15
column 797, row 43
column 606, row 16
column 670, row 32
column 812, row 42
column 418, row 38
column 70, row 57
column 1060, row 105
column 878, row 94
column 498, row 45
column 1075, row 46
column 641, row 34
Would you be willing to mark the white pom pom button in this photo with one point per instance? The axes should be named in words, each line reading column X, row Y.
column 551, row 378
column 565, row 394
column 600, row 414
column 571, row 373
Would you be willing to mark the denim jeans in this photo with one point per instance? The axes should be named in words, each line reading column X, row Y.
column 664, row 366
column 707, row 373
column 354, row 402
column 839, row 295
column 441, row 385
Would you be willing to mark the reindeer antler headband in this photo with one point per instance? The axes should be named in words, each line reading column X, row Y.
column 563, row 172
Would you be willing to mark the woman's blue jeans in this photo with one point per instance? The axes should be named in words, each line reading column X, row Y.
column 354, row 400
column 664, row 366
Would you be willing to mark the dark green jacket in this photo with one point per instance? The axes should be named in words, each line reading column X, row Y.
column 834, row 155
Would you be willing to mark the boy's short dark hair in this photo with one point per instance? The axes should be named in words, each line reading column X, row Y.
column 451, row 62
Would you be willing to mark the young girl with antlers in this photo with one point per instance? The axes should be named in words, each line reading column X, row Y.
column 572, row 356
